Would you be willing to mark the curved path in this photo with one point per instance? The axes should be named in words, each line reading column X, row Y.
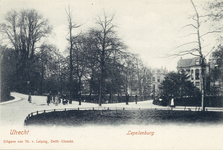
column 14, row 112
column 170, row 136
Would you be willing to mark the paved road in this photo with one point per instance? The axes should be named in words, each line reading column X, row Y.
column 14, row 112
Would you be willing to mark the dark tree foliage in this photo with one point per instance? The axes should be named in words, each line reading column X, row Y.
column 176, row 85
column 7, row 69
column 97, row 64
column 22, row 31
column 216, row 73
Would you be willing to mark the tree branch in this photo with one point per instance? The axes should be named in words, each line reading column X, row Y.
column 210, row 33
column 186, row 44
column 188, row 26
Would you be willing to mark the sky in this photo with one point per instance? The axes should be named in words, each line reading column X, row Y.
column 151, row 28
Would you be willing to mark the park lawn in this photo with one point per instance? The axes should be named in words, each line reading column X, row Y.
column 121, row 117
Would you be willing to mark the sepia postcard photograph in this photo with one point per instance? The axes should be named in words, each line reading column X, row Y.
column 103, row 74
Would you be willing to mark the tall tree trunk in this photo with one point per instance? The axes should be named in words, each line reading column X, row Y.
column 101, row 76
column 42, row 73
column 71, row 25
column 91, row 82
column 71, row 67
column 79, row 90
column 201, row 59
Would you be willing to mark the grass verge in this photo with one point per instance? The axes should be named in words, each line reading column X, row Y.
column 121, row 117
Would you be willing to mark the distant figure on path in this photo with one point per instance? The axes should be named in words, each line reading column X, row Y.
column 48, row 99
column 172, row 102
column 53, row 98
column 29, row 98
column 57, row 99
column 127, row 99
column 64, row 99
column 136, row 98
column 60, row 97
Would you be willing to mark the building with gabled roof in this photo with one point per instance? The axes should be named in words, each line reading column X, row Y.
column 193, row 68
column 188, row 63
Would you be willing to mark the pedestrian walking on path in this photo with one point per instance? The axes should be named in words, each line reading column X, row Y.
column 136, row 98
column 48, row 98
column 53, row 98
column 127, row 99
column 64, row 99
column 29, row 98
column 57, row 99
column 172, row 102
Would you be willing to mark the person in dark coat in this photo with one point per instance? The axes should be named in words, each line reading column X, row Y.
column 64, row 97
column 136, row 98
column 57, row 99
column 30, row 98
column 53, row 97
column 48, row 98
column 127, row 99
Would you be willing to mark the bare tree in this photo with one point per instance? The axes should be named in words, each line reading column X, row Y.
column 23, row 30
column 91, row 58
column 197, row 27
column 51, row 62
column 198, row 48
column 107, row 45
column 107, row 28
column 71, row 26
column 80, row 62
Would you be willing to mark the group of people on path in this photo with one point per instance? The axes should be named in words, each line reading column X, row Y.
column 127, row 99
column 57, row 98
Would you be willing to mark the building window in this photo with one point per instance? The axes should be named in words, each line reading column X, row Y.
column 153, row 78
column 158, row 78
column 192, row 74
column 197, row 74
column 197, row 84
column 197, row 62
